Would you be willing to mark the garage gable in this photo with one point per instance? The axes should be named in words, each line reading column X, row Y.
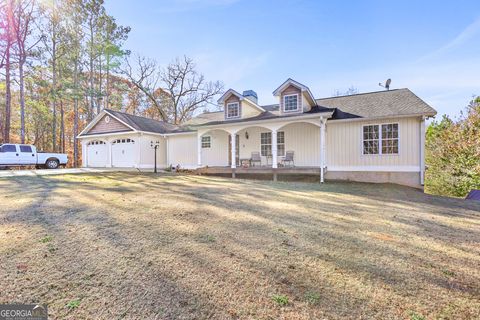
column 108, row 124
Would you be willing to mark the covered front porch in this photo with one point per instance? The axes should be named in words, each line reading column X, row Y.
column 274, row 173
column 290, row 146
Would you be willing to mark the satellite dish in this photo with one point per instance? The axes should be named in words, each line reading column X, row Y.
column 387, row 84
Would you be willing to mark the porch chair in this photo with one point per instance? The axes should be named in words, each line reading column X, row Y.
column 255, row 158
column 289, row 158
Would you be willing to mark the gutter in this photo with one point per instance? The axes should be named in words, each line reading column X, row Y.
column 427, row 116
column 106, row 134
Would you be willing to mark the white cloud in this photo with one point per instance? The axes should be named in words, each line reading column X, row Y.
column 468, row 33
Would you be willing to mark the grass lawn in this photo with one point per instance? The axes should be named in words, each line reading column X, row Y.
column 138, row 246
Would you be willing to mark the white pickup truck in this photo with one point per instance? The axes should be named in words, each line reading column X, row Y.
column 15, row 155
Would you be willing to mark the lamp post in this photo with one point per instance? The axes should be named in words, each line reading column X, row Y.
column 154, row 145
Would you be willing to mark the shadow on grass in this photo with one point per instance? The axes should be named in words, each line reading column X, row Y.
column 263, row 238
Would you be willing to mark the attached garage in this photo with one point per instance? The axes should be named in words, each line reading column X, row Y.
column 124, row 153
column 121, row 140
column 97, row 154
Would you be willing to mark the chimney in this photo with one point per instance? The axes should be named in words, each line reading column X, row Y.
column 250, row 95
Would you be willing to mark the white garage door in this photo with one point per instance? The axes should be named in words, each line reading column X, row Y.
column 97, row 154
column 123, row 153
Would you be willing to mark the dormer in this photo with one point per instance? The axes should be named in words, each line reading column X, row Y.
column 294, row 97
column 240, row 106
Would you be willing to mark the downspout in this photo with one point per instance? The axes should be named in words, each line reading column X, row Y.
column 422, row 151
column 167, row 154
column 322, row 150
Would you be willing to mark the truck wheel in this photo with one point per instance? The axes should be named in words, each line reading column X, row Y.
column 52, row 164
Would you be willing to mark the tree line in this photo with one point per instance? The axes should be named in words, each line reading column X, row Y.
column 63, row 61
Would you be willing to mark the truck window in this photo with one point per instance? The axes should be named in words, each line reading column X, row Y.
column 26, row 149
column 8, row 148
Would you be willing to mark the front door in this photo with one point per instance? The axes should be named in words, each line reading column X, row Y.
column 237, row 150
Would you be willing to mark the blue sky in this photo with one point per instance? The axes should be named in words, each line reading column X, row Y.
column 431, row 47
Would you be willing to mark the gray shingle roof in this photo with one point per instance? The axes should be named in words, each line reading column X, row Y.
column 386, row 103
column 271, row 107
column 145, row 124
column 206, row 117
column 262, row 116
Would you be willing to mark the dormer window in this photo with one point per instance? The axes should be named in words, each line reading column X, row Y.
column 290, row 102
column 233, row 110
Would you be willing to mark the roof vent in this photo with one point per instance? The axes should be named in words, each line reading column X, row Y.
column 250, row 95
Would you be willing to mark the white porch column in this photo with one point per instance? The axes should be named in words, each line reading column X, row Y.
column 322, row 149
column 199, row 149
column 84, row 154
column 234, row 149
column 422, row 151
column 274, row 149
column 109, row 147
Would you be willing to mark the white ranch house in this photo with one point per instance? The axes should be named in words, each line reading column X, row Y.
column 368, row 137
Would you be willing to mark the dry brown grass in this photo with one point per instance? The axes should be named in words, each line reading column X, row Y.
column 134, row 246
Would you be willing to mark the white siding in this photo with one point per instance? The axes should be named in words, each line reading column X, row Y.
column 344, row 145
column 146, row 152
column 248, row 110
column 182, row 150
column 305, row 103
column 217, row 154
column 252, row 144
column 302, row 138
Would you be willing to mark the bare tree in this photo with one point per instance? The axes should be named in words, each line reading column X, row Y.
column 176, row 91
column 146, row 77
column 350, row 91
column 188, row 90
